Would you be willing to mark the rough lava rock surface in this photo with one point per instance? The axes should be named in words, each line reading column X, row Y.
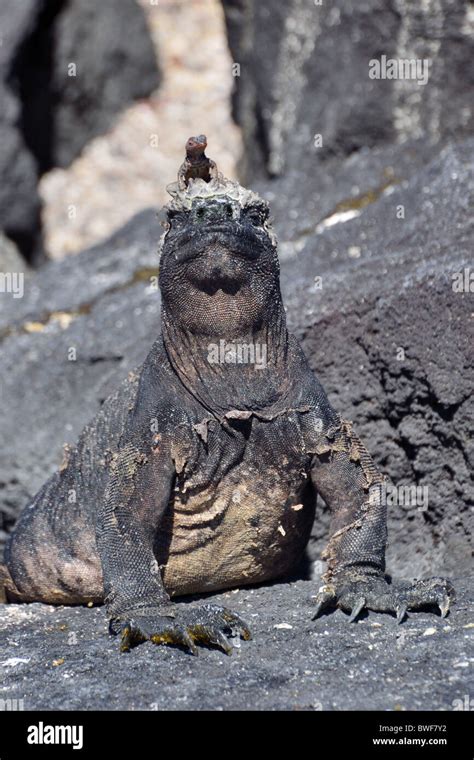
column 394, row 346
column 62, row 658
column 99, row 304
column 314, row 77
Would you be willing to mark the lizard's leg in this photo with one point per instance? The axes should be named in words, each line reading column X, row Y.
column 345, row 475
column 137, row 602
column 182, row 181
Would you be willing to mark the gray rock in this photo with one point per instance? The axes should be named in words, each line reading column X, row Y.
column 115, row 64
column 19, row 201
column 63, row 658
column 81, row 280
column 48, row 115
column 314, row 77
column 10, row 259
column 314, row 80
column 384, row 328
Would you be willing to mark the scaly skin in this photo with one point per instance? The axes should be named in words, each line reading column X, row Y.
column 202, row 471
column 196, row 165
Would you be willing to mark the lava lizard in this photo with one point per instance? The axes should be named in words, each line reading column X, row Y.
column 196, row 164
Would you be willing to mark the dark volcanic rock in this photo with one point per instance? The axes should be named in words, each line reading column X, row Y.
column 314, row 81
column 63, row 658
column 19, row 202
column 49, row 111
column 314, row 77
column 115, row 64
column 374, row 230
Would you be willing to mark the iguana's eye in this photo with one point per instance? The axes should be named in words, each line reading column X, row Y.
column 256, row 215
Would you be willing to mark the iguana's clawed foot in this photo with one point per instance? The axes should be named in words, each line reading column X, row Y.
column 354, row 594
column 181, row 625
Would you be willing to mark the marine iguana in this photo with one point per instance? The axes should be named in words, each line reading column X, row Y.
column 201, row 472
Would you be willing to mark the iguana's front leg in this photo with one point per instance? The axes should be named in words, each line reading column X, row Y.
column 345, row 475
column 137, row 602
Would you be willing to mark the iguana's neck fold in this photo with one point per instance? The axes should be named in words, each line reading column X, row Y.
column 246, row 372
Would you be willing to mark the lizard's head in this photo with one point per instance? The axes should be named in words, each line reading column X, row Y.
column 196, row 146
column 219, row 267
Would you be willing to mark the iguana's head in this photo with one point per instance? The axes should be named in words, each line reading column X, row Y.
column 219, row 271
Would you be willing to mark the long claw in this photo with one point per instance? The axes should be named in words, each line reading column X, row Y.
column 186, row 641
column 130, row 637
column 401, row 612
column 240, row 625
column 187, row 628
column 210, row 635
column 376, row 593
column 221, row 641
column 319, row 606
column 357, row 609
column 324, row 598
column 218, row 639
column 444, row 606
column 231, row 619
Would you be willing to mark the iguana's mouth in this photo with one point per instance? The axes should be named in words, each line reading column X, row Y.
column 218, row 268
column 225, row 285
column 213, row 277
